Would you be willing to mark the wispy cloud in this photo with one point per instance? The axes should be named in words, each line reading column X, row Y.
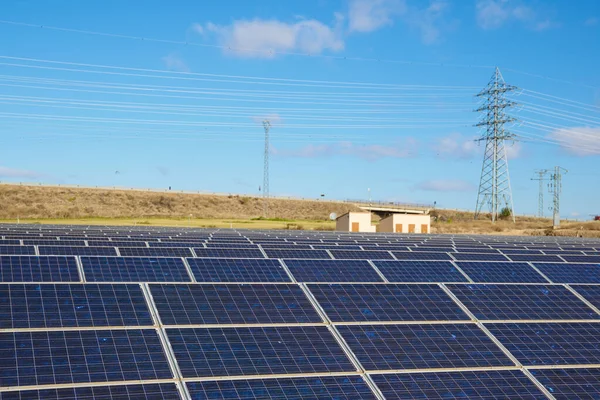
column 274, row 119
column 579, row 141
column 174, row 62
column 592, row 21
column 369, row 152
column 260, row 38
column 370, row 15
column 493, row 14
column 458, row 146
column 6, row 172
column 445, row 185
column 430, row 21
column 164, row 171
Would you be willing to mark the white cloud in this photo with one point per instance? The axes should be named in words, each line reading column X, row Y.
column 274, row 119
column 579, row 141
column 175, row 63
column 6, row 172
column 261, row 38
column 370, row 15
column 493, row 14
column 457, row 146
column 445, row 185
column 429, row 21
column 592, row 21
column 369, row 152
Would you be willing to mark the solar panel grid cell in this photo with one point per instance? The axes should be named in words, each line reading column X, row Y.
column 72, row 305
column 155, row 252
column 76, row 251
column 58, row 357
column 257, row 350
column 371, row 302
column 570, row 273
column 572, row 383
column 408, row 255
column 420, row 271
column 158, row 391
column 535, row 258
column 385, row 347
column 134, row 269
column 581, row 259
column 14, row 250
column 479, row 257
column 506, row 272
column 514, row 302
column 38, row 269
column 361, row 255
column 217, row 252
column 318, row 387
column 232, row 304
column 237, row 270
column 53, row 242
column 484, row 385
column 293, row 253
column 115, row 243
column 332, row 271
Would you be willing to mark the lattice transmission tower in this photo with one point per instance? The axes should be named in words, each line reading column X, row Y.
column 265, row 188
column 541, row 178
column 494, row 185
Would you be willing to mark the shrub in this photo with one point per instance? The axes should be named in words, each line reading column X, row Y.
column 505, row 213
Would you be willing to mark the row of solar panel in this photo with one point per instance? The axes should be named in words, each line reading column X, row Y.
column 33, row 306
column 164, row 269
column 97, row 356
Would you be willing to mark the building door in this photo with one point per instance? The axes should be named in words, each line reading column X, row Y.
column 424, row 228
column 355, row 227
column 411, row 228
column 398, row 228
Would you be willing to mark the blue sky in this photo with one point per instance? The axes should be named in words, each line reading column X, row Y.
column 360, row 93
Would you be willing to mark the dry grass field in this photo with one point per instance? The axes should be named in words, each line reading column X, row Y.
column 67, row 205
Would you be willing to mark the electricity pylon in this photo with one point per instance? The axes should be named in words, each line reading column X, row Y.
column 555, row 187
column 541, row 178
column 494, row 185
column 265, row 188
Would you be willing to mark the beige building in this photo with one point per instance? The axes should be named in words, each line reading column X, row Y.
column 355, row 222
column 405, row 223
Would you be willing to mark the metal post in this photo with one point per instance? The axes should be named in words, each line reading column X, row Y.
column 265, row 188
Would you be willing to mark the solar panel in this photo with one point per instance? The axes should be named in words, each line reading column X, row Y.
column 563, row 252
column 69, row 305
column 16, row 242
column 479, row 257
column 237, row 270
column 341, row 247
column 411, row 255
column 58, row 357
column 386, row 302
column 116, row 243
column 420, row 271
column 535, row 257
column 230, row 245
column 590, row 292
column 53, row 242
column 232, row 304
column 317, row 387
column 133, row 269
column 215, row 252
column 155, row 391
column 458, row 385
column 361, row 255
column 556, row 343
column 571, row 273
column 520, row 251
column 381, row 347
column 476, row 250
column 431, row 249
column 257, row 350
column 582, row 259
column 17, row 250
column 332, row 271
column 512, row 302
column 285, row 245
column 571, row 383
column 76, row 251
column 292, row 253
column 155, row 252
column 509, row 272
column 38, row 269
column 175, row 244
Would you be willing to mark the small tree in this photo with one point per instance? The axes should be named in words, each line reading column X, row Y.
column 505, row 213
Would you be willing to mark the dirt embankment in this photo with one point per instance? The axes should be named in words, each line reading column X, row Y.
column 36, row 202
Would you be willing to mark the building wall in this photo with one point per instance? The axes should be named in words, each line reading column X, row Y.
column 344, row 223
column 389, row 224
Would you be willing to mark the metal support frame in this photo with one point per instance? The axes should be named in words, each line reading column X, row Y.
column 555, row 188
column 541, row 178
column 265, row 188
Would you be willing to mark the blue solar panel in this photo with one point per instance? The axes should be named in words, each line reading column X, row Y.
column 477, row 250
column 258, row 350
column 535, row 257
column 571, row 273
column 563, row 252
column 67, row 305
column 591, row 293
column 332, row 246
column 361, row 255
column 53, row 242
column 156, row 391
column 381, row 347
column 520, row 251
column 582, row 259
column 38, row 269
column 155, row 252
column 412, row 255
column 232, row 304
column 115, row 243
column 292, row 253
column 175, row 244
column 57, row 357
column 332, row 271
column 17, row 250
column 431, row 249
column 420, row 271
column 386, row 302
column 571, row 383
column 317, row 387
column 132, row 269
column 479, row 257
column 215, row 252
column 482, row 385
column 512, row 302
column 550, row 343
column 228, row 245
column 76, row 251
column 10, row 242
column 508, row 272
column 237, row 270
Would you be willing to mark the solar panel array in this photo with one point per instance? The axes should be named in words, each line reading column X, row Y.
column 165, row 313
